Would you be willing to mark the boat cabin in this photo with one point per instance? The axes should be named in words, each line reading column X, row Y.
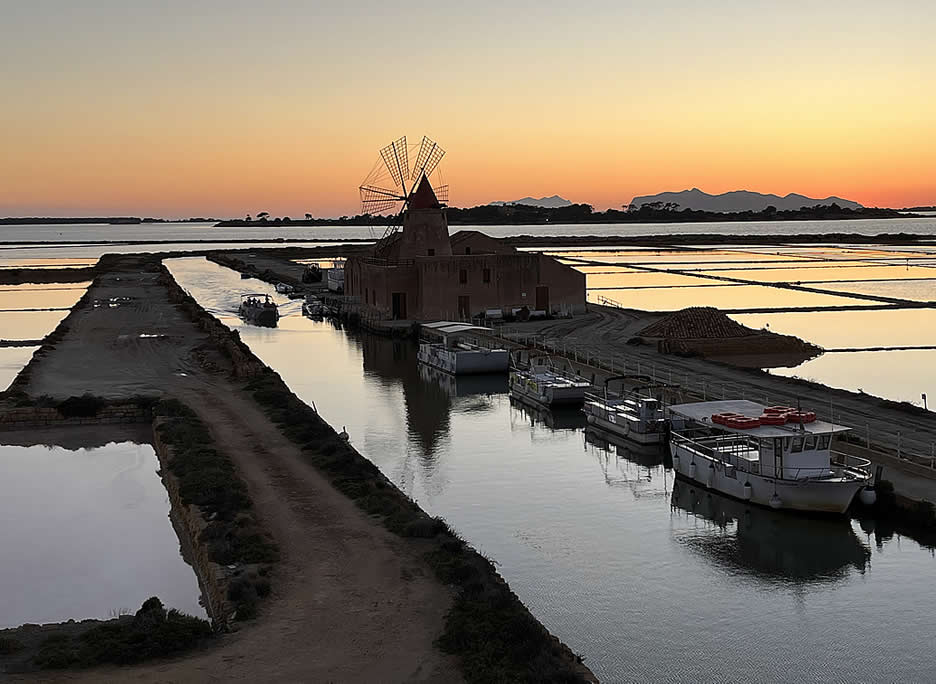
column 769, row 441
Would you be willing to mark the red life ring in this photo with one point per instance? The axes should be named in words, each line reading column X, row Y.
column 723, row 418
column 774, row 418
column 802, row 417
column 779, row 409
column 743, row 423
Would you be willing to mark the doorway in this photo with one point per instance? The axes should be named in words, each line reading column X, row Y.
column 542, row 298
column 398, row 305
column 464, row 307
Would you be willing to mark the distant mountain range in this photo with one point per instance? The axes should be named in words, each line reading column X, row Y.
column 739, row 200
column 553, row 202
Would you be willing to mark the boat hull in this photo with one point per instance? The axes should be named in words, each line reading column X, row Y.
column 463, row 362
column 808, row 496
column 624, row 429
column 551, row 396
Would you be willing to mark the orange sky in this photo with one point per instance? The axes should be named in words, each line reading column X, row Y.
column 240, row 107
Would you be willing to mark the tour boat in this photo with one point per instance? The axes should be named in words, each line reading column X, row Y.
column 547, row 386
column 259, row 309
column 777, row 456
column 634, row 416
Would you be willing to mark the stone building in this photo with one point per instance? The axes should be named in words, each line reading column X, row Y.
column 422, row 273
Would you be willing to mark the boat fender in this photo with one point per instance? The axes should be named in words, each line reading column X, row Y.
column 542, row 398
column 710, row 475
column 692, row 470
column 591, row 420
column 868, row 496
column 747, row 491
column 775, row 502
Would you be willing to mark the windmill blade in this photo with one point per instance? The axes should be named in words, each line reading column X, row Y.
column 441, row 193
column 430, row 154
column 375, row 199
column 396, row 158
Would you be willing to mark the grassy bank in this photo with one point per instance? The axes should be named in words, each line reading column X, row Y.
column 208, row 479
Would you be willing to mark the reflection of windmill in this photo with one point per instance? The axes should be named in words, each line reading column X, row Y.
column 392, row 181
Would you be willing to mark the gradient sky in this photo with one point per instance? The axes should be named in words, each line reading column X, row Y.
column 224, row 107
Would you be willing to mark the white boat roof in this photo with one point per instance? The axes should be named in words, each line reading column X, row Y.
column 701, row 412
column 452, row 327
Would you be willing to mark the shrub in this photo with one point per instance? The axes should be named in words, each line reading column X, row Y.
column 85, row 406
column 10, row 645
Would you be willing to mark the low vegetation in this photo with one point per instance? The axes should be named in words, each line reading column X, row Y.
column 152, row 633
column 208, row 479
column 488, row 628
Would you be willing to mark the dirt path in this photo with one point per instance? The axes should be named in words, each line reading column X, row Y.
column 604, row 332
column 351, row 601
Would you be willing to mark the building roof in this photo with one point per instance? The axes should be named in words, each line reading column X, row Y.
column 423, row 197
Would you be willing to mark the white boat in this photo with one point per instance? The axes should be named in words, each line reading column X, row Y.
column 547, row 386
column 634, row 416
column 455, row 353
column 462, row 358
column 772, row 456
column 313, row 308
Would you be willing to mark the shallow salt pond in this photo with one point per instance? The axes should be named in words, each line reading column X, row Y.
column 86, row 534
column 12, row 360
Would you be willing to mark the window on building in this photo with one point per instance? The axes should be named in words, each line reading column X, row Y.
column 431, row 252
column 467, row 250
column 463, row 276
column 486, row 275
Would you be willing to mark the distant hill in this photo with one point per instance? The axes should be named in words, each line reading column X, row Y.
column 739, row 200
column 553, row 202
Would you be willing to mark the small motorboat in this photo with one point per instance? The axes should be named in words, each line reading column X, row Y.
column 284, row 288
column 547, row 386
column 259, row 309
column 313, row 308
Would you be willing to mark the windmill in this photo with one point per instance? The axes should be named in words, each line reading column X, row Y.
column 392, row 181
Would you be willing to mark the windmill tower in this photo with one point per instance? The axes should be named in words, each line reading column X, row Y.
column 413, row 196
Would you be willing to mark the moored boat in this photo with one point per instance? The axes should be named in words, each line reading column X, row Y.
column 634, row 416
column 547, row 386
column 259, row 309
column 772, row 456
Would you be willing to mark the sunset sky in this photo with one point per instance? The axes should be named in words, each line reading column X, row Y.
column 226, row 107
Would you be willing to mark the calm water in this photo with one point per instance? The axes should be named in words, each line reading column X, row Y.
column 86, row 534
column 12, row 360
column 202, row 231
column 648, row 580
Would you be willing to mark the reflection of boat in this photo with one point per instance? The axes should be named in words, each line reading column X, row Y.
column 634, row 415
column 244, row 276
column 648, row 455
column 259, row 309
column 464, row 385
column 770, row 543
column 454, row 354
column 312, row 274
column 547, row 386
column 284, row 288
column 776, row 456
column 557, row 418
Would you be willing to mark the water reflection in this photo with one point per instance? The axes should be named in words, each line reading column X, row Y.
column 88, row 533
column 779, row 547
column 558, row 418
column 642, row 468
